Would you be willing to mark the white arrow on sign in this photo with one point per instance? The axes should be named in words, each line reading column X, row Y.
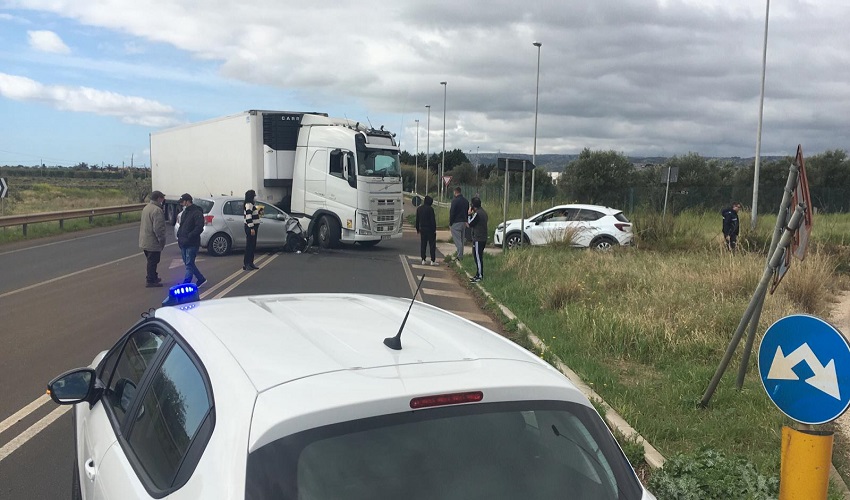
column 4, row 188
column 824, row 378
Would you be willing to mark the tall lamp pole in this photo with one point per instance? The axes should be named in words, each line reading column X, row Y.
column 416, row 167
column 443, row 163
column 754, row 219
column 427, row 149
column 534, row 150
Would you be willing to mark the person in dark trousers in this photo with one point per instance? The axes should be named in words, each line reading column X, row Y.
column 189, row 238
column 152, row 237
column 252, row 227
column 457, row 220
column 477, row 220
column 731, row 225
column 426, row 227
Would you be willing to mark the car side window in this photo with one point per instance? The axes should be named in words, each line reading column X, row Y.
column 137, row 354
column 175, row 405
column 269, row 211
column 571, row 214
column 233, row 208
column 589, row 215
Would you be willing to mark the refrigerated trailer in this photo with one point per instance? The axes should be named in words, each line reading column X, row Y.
column 341, row 178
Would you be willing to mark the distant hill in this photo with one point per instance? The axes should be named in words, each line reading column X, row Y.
column 557, row 163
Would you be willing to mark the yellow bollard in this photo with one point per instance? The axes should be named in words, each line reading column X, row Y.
column 804, row 471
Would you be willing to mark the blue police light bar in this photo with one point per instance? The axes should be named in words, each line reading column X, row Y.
column 181, row 294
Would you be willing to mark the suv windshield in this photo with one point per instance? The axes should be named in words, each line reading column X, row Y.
column 528, row 450
column 378, row 163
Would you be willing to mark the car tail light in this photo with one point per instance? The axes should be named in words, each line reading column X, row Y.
column 208, row 219
column 623, row 227
column 446, row 399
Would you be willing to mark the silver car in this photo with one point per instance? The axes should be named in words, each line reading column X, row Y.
column 224, row 225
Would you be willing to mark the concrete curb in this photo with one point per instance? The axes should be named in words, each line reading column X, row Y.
column 652, row 456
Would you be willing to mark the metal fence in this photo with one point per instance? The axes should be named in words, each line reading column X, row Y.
column 91, row 213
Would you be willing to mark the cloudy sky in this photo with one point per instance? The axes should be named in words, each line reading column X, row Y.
column 88, row 80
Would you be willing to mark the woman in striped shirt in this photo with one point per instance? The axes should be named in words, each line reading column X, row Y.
column 252, row 226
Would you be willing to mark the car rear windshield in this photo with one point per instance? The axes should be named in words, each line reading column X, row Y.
column 206, row 205
column 517, row 450
column 620, row 217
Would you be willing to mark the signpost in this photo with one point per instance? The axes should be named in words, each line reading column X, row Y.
column 513, row 165
column 804, row 364
column 668, row 175
column 4, row 190
column 446, row 180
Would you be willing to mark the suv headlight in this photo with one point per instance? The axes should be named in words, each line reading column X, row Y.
column 500, row 226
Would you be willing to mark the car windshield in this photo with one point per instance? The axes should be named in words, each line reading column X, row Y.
column 378, row 163
column 527, row 450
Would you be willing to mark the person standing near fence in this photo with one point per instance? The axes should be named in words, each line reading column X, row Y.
column 731, row 225
column 426, row 226
column 457, row 220
column 252, row 227
column 152, row 237
column 189, row 238
column 477, row 220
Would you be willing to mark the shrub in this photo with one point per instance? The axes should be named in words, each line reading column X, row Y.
column 709, row 474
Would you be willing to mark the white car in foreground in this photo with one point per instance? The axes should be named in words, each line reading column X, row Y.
column 300, row 397
column 591, row 226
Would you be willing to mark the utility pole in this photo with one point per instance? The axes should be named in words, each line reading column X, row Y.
column 755, row 207
column 416, row 167
column 428, row 149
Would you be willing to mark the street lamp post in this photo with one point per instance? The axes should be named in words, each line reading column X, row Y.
column 427, row 149
column 755, row 208
column 534, row 150
column 416, row 163
column 443, row 163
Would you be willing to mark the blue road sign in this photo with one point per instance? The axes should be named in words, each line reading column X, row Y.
column 804, row 363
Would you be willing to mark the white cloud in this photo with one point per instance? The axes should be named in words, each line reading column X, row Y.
column 129, row 109
column 47, row 41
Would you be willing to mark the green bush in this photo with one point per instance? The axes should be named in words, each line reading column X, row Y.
column 709, row 474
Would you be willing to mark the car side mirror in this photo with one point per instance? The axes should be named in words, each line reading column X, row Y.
column 72, row 387
column 125, row 392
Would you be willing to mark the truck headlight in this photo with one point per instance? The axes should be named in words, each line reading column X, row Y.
column 364, row 221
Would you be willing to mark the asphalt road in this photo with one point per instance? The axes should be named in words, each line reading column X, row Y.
column 65, row 299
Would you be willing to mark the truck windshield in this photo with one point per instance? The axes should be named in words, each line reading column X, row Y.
column 378, row 163
column 528, row 450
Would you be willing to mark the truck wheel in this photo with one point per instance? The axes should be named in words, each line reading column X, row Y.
column 328, row 232
column 219, row 245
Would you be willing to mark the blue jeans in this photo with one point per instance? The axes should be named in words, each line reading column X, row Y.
column 189, row 254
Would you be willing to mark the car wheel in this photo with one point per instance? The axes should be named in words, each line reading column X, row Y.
column 603, row 244
column 513, row 240
column 328, row 232
column 219, row 245
column 76, row 491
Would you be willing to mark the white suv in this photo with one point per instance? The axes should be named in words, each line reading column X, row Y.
column 591, row 226
column 299, row 396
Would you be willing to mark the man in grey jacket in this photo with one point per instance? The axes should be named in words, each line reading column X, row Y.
column 152, row 237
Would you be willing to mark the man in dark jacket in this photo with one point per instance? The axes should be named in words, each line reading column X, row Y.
column 189, row 238
column 457, row 220
column 477, row 220
column 731, row 225
column 426, row 226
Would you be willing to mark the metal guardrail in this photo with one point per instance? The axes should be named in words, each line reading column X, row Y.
column 91, row 213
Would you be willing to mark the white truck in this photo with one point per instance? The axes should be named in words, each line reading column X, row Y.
column 339, row 177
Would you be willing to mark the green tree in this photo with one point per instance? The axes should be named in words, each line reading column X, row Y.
column 596, row 176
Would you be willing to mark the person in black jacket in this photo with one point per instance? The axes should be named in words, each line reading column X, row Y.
column 426, row 227
column 457, row 220
column 477, row 220
column 189, row 238
column 731, row 225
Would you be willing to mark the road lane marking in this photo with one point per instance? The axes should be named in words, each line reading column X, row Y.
column 64, row 241
column 410, row 279
column 445, row 293
column 238, row 282
column 475, row 317
column 23, row 412
column 33, row 430
column 75, row 273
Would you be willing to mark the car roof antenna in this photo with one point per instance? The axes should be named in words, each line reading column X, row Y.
column 394, row 343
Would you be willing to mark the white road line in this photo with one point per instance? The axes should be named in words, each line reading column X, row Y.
column 238, row 282
column 445, row 293
column 34, row 429
column 410, row 279
column 75, row 273
column 63, row 241
column 23, row 412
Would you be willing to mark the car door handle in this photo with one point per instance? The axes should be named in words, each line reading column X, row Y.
column 90, row 469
